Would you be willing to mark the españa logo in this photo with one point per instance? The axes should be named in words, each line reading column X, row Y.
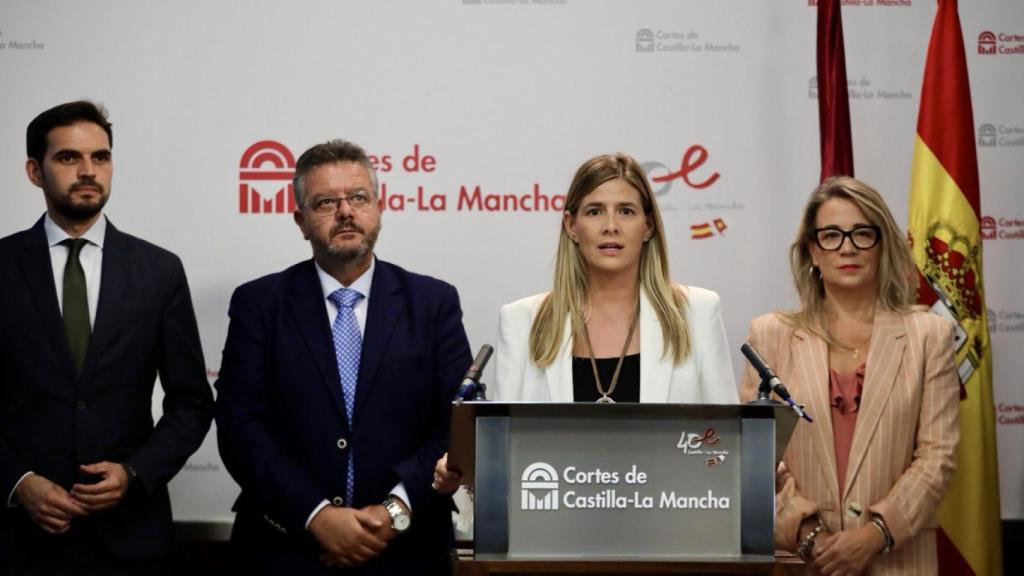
column 540, row 487
column 266, row 163
column 703, row 230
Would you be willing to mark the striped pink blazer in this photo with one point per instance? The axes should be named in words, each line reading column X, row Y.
column 902, row 455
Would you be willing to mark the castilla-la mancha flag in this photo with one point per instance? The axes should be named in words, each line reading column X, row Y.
column 945, row 233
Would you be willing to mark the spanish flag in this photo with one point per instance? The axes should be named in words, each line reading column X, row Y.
column 946, row 236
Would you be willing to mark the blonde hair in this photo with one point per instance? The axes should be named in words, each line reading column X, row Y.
column 568, row 297
column 894, row 281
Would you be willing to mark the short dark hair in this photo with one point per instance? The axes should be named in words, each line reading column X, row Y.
column 63, row 115
column 328, row 153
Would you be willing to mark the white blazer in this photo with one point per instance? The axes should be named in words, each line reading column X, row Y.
column 705, row 377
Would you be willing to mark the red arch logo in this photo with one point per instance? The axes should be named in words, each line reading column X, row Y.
column 266, row 161
column 986, row 43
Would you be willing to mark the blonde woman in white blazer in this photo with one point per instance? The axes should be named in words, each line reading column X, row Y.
column 614, row 327
column 704, row 377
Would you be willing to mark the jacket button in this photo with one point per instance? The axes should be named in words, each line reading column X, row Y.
column 338, row 501
column 853, row 510
column 80, row 404
column 342, row 443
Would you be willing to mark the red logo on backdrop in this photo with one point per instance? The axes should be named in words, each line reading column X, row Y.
column 1003, row 228
column 264, row 165
column 988, row 228
column 986, row 43
column 693, row 159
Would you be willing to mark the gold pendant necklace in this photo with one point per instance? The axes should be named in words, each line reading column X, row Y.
column 854, row 350
column 606, row 396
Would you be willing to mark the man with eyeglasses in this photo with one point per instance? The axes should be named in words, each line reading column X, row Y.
column 334, row 393
column 89, row 317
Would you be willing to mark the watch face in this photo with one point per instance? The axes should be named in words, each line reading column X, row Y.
column 401, row 522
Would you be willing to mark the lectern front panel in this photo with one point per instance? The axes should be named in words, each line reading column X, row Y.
column 617, row 486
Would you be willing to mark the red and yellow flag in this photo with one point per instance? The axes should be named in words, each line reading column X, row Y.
column 945, row 232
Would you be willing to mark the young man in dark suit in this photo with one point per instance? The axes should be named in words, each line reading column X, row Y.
column 89, row 316
column 335, row 390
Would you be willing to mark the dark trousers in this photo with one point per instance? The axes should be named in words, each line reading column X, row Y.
column 76, row 554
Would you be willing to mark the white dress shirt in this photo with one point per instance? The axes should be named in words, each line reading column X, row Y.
column 91, row 258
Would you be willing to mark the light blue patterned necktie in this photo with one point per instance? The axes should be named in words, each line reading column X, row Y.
column 348, row 344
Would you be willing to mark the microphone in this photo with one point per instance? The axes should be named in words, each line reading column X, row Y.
column 471, row 388
column 769, row 381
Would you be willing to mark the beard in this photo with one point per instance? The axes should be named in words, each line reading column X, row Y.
column 345, row 256
column 68, row 207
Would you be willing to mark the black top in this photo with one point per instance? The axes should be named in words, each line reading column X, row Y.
column 584, row 389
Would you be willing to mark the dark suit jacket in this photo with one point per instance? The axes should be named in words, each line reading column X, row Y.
column 52, row 420
column 281, row 423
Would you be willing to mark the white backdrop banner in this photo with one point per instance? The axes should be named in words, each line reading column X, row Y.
column 477, row 113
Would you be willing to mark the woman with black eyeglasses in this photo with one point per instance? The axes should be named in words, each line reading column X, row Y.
column 858, row 489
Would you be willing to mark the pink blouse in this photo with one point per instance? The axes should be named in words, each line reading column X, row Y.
column 844, row 395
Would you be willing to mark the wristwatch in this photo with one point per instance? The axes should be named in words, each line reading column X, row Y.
column 400, row 519
column 133, row 477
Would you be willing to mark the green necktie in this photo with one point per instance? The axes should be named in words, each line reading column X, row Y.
column 76, row 304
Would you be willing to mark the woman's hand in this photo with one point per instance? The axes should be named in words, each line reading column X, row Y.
column 446, row 480
column 848, row 552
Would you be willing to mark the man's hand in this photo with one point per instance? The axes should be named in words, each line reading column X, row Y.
column 349, row 537
column 848, row 552
column 104, row 494
column 379, row 513
column 49, row 505
column 446, row 480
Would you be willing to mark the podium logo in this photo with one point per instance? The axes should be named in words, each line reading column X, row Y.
column 691, row 443
column 540, row 487
column 268, row 164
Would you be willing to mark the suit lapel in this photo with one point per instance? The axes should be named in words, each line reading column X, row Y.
column 310, row 312
column 559, row 373
column 113, row 282
column 885, row 358
column 385, row 308
column 810, row 359
column 655, row 375
column 38, row 272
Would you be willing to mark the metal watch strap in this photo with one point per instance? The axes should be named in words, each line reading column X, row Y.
column 399, row 517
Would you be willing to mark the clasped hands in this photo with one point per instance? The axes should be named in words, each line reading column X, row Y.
column 53, row 508
column 848, row 552
column 350, row 536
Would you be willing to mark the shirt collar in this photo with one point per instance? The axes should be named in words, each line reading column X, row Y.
column 96, row 234
column 362, row 284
